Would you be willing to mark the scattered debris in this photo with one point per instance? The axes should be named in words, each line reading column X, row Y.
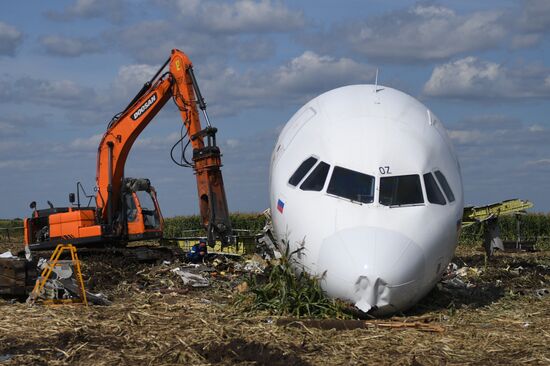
column 456, row 278
column 542, row 292
column 50, row 285
column 451, row 269
column 95, row 298
column 454, row 283
column 6, row 357
column 190, row 278
column 516, row 271
column 7, row 254
column 255, row 265
column 468, row 271
column 266, row 241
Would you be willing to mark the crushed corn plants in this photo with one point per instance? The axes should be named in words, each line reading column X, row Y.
column 492, row 312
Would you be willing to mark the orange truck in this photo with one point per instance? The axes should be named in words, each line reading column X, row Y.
column 126, row 209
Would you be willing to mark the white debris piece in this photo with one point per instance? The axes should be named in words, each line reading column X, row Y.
column 189, row 278
column 28, row 254
column 462, row 272
column 7, row 255
column 255, row 265
column 455, row 283
column 542, row 292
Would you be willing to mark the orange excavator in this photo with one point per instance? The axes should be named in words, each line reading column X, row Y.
column 127, row 208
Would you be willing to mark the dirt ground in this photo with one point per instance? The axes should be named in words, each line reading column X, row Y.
column 497, row 313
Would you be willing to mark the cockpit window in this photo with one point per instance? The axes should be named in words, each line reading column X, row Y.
column 432, row 190
column 445, row 185
column 302, row 171
column 352, row 185
column 401, row 190
column 316, row 180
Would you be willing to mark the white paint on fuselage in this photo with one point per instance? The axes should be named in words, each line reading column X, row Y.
column 376, row 256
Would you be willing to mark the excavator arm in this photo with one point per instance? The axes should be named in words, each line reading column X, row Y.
column 178, row 83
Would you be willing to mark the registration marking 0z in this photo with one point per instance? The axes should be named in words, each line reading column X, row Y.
column 384, row 170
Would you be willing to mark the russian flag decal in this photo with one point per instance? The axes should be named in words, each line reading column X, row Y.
column 280, row 206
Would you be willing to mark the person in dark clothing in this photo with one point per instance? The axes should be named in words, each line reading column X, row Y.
column 198, row 252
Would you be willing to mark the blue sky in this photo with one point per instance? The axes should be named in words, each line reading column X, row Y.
column 66, row 67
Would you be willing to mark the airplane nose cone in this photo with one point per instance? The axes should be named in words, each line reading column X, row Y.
column 378, row 270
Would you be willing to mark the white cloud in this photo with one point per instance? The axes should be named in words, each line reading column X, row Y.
column 423, row 32
column 241, row 16
column 466, row 137
column 150, row 41
column 68, row 46
column 162, row 143
column 232, row 143
column 536, row 128
column 17, row 164
column 311, row 72
column 535, row 15
column 54, row 93
column 88, row 143
column 207, row 29
column 130, row 79
column 258, row 49
column 88, row 9
column 427, row 31
column 541, row 162
column 500, row 137
column 501, row 151
column 470, row 78
column 9, row 129
column 10, row 39
column 300, row 79
column 525, row 40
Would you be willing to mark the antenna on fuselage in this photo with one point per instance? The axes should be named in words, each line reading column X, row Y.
column 376, row 90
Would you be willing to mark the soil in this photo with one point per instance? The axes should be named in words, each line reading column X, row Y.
column 500, row 316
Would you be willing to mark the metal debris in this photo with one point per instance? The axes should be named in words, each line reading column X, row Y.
column 6, row 357
column 7, row 254
column 542, row 292
column 454, row 283
column 190, row 278
column 266, row 242
column 456, row 278
column 255, row 265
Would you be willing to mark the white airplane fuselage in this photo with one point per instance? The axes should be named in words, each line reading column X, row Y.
column 366, row 180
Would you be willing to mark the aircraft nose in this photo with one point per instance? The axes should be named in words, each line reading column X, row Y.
column 375, row 268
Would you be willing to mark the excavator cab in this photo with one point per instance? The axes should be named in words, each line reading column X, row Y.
column 143, row 218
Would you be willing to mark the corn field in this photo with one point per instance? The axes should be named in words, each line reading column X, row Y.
column 181, row 226
column 533, row 226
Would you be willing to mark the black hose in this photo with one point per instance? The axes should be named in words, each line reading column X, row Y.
column 187, row 163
